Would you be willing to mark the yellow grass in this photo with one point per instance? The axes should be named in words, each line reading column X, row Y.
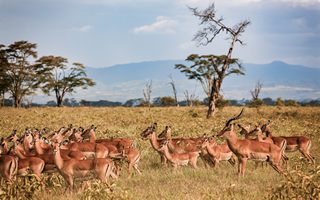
column 158, row 182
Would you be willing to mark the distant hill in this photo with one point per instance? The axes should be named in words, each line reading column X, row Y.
column 126, row 81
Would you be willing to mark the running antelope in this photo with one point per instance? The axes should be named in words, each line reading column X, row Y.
column 250, row 149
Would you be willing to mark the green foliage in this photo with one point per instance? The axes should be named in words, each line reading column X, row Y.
column 279, row 102
column 299, row 184
column 256, row 103
column 167, row 101
column 221, row 102
column 291, row 102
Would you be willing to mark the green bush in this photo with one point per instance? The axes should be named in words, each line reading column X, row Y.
column 255, row 103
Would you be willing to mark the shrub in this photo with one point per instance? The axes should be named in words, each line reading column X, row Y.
column 279, row 102
column 97, row 190
column 298, row 184
column 256, row 103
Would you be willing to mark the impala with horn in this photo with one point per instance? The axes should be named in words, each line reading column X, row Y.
column 250, row 149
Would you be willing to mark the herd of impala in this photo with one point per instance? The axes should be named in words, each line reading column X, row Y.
column 75, row 152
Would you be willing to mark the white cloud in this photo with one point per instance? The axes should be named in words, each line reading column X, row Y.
column 162, row 24
column 84, row 28
column 245, row 2
column 285, row 88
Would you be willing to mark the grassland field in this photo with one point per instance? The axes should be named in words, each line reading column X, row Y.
column 157, row 182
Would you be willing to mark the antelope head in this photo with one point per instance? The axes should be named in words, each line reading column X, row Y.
column 166, row 133
column 13, row 137
column 245, row 129
column 228, row 128
column 208, row 141
column 151, row 129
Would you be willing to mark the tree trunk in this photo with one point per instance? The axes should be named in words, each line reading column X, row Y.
column 214, row 95
column 212, row 106
column 2, row 98
column 59, row 101
column 17, row 102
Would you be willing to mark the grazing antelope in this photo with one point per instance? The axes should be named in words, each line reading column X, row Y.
column 72, row 168
column 179, row 159
column 294, row 143
column 250, row 149
column 217, row 152
column 8, row 164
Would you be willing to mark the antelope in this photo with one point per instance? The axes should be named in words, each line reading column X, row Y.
column 8, row 164
column 179, row 159
column 250, row 149
column 218, row 152
column 281, row 143
column 184, row 145
column 150, row 134
column 294, row 143
column 26, row 163
column 72, row 168
column 66, row 154
column 90, row 134
column 132, row 156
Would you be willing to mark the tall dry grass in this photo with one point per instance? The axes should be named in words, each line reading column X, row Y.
column 158, row 182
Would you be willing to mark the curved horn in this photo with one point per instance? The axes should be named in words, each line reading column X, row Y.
column 234, row 118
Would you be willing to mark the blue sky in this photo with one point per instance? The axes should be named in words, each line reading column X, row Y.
column 101, row 33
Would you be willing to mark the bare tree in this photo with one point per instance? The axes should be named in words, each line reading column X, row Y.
column 256, row 92
column 174, row 90
column 190, row 97
column 211, row 65
column 147, row 92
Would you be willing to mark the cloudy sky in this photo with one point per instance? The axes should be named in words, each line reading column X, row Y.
column 101, row 33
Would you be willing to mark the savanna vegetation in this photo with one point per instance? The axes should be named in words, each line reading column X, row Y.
column 300, row 181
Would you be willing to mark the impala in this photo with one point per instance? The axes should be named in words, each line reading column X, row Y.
column 217, row 152
column 250, row 149
column 280, row 142
column 132, row 156
column 150, row 133
column 179, row 159
column 294, row 143
column 72, row 168
column 28, row 163
column 8, row 164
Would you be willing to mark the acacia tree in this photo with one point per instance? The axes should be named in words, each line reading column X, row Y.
column 20, row 74
column 210, row 72
column 4, row 79
column 216, row 67
column 58, row 77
